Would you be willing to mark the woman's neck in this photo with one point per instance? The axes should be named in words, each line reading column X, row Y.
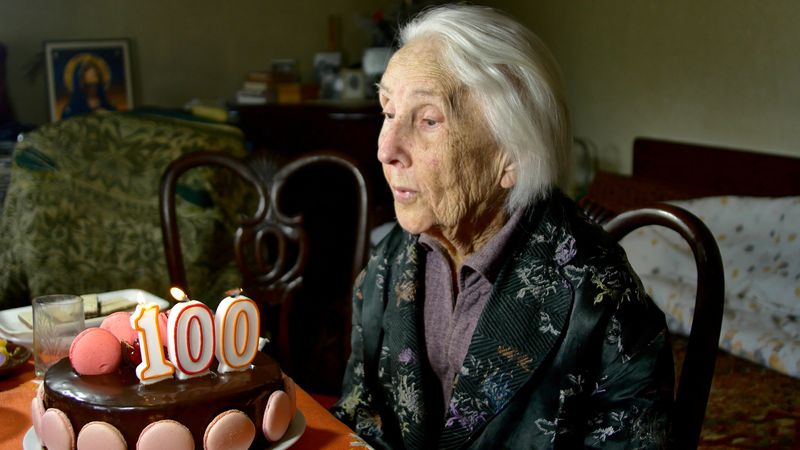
column 469, row 236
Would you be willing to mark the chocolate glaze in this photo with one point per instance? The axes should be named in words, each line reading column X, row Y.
column 121, row 400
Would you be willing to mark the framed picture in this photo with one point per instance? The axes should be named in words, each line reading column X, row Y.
column 326, row 74
column 85, row 76
column 352, row 84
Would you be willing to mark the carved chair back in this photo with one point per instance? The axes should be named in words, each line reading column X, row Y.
column 298, row 252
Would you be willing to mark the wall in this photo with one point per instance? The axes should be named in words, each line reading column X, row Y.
column 181, row 49
column 720, row 72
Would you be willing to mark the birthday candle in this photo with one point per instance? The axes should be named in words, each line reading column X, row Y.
column 237, row 324
column 190, row 341
column 154, row 366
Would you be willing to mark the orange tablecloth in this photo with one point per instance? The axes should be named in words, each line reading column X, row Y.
column 323, row 431
column 16, row 392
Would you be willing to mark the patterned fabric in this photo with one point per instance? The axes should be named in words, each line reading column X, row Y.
column 81, row 214
column 761, row 257
column 569, row 351
column 749, row 406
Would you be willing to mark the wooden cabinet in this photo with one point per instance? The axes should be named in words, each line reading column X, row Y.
column 352, row 128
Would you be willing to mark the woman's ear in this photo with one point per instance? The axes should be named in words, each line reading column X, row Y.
column 509, row 177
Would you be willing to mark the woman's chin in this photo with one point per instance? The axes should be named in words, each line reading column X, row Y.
column 412, row 223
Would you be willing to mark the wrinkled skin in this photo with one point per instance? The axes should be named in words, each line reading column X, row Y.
column 448, row 177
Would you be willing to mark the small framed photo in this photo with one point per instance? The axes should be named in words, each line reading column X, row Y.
column 86, row 76
column 326, row 74
column 352, row 84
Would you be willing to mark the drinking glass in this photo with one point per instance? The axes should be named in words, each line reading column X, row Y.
column 57, row 319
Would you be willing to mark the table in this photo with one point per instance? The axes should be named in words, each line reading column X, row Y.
column 323, row 431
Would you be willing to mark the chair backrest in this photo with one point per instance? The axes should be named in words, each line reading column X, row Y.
column 694, row 380
column 298, row 253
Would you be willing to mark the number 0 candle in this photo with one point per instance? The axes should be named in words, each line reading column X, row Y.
column 190, row 339
column 237, row 326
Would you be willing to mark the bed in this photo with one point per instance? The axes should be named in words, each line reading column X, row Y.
column 751, row 202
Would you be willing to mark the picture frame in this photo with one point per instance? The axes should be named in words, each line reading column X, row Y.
column 88, row 75
column 353, row 87
column 326, row 73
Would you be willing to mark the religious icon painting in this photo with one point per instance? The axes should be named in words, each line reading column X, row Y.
column 88, row 76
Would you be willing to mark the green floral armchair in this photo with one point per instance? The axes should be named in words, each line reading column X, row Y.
column 81, row 213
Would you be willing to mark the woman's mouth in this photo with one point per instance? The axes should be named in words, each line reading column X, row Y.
column 403, row 194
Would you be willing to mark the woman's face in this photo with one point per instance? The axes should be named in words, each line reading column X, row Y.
column 90, row 76
column 438, row 156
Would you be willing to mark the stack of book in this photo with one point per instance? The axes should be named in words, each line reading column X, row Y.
column 264, row 86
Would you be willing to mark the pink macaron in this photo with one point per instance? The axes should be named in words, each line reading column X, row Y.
column 165, row 434
column 162, row 326
column 95, row 351
column 37, row 411
column 277, row 416
column 230, row 430
column 119, row 324
column 101, row 436
column 56, row 430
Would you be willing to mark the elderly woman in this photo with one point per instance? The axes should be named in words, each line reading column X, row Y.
column 495, row 315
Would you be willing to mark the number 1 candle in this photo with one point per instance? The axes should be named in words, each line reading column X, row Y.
column 154, row 366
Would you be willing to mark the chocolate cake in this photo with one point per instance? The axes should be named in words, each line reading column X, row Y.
column 121, row 400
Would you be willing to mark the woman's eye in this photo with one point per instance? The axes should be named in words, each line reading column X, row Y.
column 430, row 122
column 387, row 115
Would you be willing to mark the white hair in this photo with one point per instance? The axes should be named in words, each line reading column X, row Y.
column 517, row 84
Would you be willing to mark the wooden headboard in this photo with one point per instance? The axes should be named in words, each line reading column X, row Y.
column 665, row 170
column 716, row 170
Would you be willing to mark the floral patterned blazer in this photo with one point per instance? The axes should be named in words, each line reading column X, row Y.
column 568, row 353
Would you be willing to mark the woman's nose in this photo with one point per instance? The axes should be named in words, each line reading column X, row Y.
column 392, row 144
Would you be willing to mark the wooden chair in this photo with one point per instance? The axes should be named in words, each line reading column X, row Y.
column 694, row 380
column 298, row 253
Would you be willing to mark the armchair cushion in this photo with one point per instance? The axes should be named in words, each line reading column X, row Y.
column 81, row 213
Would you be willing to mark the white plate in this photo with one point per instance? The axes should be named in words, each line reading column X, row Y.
column 31, row 441
column 13, row 330
column 293, row 433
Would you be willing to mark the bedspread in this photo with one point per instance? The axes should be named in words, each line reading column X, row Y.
column 81, row 214
column 760, row 249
